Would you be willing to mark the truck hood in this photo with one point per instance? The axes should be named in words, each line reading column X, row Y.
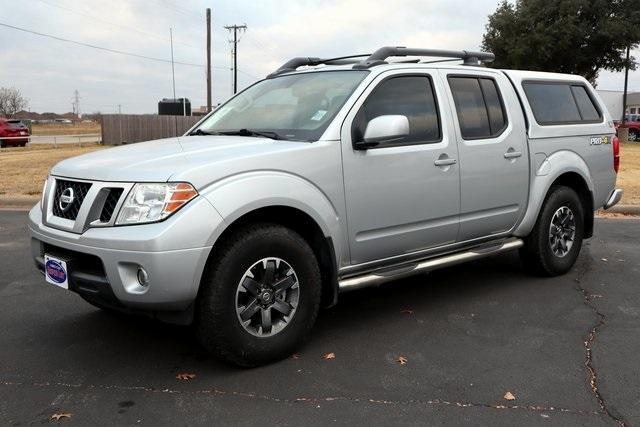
column 160, row 160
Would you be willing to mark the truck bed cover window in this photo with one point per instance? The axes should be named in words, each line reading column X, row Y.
column 561, row 103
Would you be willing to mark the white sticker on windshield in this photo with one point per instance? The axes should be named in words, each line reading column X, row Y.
column 318, row 115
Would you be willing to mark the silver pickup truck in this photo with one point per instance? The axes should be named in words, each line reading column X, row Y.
column 330, row 175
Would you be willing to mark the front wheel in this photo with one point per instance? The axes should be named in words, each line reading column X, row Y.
column 554, row 244
column 634, row 136
column 260, row 296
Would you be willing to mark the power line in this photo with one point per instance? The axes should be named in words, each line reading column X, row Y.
column 106, row 49
column 178, row 9
column 248, row 75
column 104, row 21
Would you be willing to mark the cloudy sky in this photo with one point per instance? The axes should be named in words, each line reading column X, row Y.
column 48, row 71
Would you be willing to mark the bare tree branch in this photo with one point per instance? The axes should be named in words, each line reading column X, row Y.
column 11, row 101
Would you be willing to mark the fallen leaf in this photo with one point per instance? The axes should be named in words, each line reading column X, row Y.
column 604, row 259
column 185, row 376
column 329, row 356
column 402, row 360
column 56, row 417
column 509, row 396
column 296, row 356
column 406, row 311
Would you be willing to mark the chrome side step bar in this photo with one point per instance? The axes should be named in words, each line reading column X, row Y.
column 380, row 276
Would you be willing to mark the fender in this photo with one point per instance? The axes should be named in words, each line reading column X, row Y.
column 240, row 194
column 543, row 177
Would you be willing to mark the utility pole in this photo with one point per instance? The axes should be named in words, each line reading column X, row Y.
column 173, row 70
column 235, row 29
column 626, row 83
column 173, row 80
column 120, row 121
column 208, row 60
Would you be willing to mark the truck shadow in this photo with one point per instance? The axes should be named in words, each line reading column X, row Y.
column 140, row 338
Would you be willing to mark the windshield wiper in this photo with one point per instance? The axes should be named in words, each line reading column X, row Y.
column 249, row 132
column 202, row 132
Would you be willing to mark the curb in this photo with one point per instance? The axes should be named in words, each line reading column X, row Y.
column 623, row 210
column 17, row 203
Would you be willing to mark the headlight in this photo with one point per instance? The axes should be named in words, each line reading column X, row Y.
column 154, row 202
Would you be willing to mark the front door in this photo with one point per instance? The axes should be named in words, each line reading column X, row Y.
column 403, row 196
column 492, row 144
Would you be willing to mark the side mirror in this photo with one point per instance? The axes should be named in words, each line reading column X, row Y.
column 384, row 129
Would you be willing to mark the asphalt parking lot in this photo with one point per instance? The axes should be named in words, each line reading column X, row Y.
column 469, row 334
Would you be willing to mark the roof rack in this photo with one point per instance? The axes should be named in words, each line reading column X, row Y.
column 379, row 56
column 293, row 64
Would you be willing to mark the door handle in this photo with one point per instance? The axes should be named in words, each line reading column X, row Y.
column 445, row 162
column 512, row 154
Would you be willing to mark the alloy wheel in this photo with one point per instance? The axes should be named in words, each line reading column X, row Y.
column 562, row 231
column 267, row 297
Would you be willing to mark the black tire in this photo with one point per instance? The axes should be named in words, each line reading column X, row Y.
column 2, row 144
column 218, row 324
column 633, row 135
column 537, row 254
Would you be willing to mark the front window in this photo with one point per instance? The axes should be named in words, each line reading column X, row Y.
column 295, row 107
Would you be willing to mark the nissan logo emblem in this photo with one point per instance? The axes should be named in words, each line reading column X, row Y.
column 66, row 199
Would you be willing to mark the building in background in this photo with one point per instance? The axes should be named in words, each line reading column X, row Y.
column 613, row 100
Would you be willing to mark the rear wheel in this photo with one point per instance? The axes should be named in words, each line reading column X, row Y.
column 259, row 297
column 2, row 144
column 634, row 136
column 554, row 244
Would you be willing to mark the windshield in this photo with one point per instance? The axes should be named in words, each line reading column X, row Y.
column 294, row 107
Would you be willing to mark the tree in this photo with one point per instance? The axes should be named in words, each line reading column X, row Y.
column 565, row 36
column 11, row 101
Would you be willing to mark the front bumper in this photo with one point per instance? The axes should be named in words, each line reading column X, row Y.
column 103, row 262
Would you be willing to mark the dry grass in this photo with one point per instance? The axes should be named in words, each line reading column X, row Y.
column 629, row 176
column 23, row 170
column 65, row 129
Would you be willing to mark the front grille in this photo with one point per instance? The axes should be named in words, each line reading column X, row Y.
column 82, row 263
column 69, row 210
column 110, row 204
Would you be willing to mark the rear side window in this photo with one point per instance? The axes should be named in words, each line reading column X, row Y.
column 561, row 103
column 410, row 96
column 479, row 106
column 587, row 109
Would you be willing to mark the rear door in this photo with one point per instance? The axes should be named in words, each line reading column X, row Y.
column 494, row 165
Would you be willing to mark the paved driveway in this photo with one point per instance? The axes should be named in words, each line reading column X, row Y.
column 469, row 334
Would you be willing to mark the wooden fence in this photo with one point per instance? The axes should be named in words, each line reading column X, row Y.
column 127, row 128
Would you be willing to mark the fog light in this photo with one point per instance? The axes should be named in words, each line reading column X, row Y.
column 143, row 277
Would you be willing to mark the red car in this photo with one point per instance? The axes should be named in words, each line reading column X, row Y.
column 13, row 133
column 633, row 123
